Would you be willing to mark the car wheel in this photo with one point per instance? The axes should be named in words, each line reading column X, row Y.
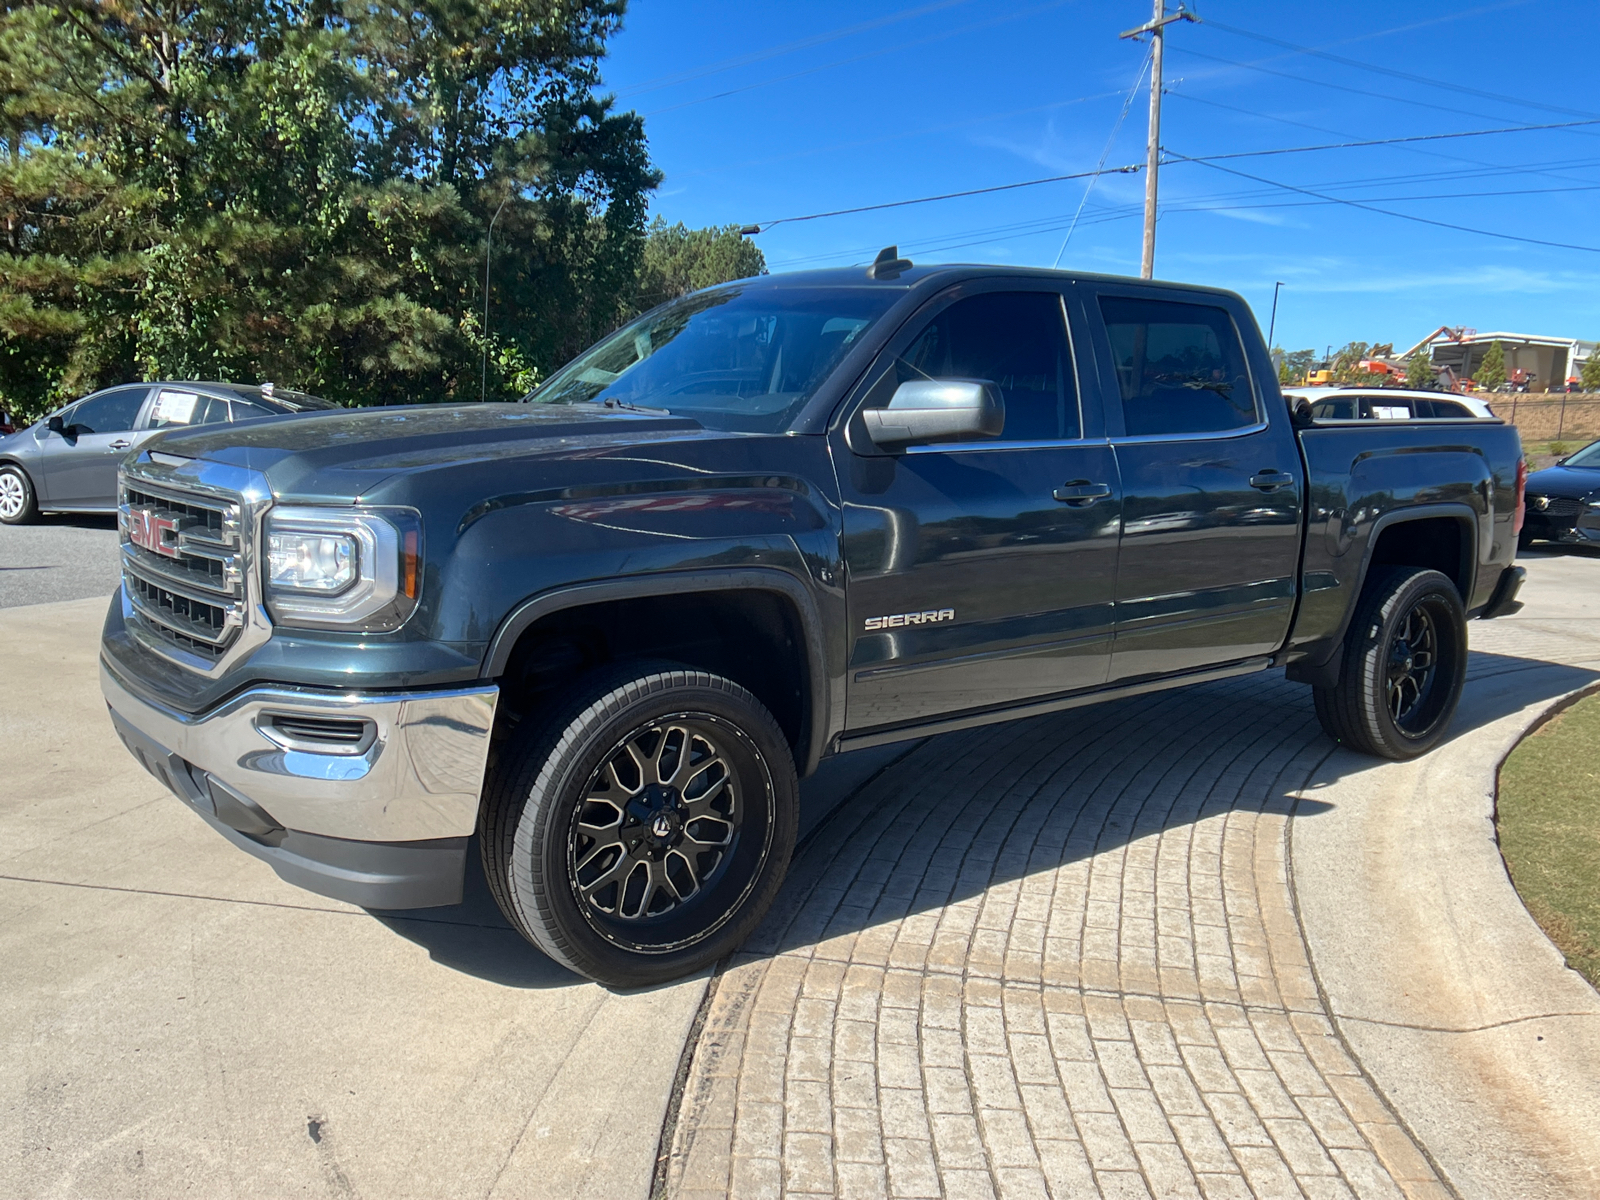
column 18, row 505
column 1405, row 662
column 639, row 829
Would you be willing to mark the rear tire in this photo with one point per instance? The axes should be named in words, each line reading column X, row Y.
column 640, row 827
column 1405, row 662
column 19, row 504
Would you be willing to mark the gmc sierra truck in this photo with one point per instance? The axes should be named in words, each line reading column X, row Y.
column 606, row 629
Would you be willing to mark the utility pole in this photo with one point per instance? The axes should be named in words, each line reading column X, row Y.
column 1272, row 327
column 488, row 249
column 1156, row 28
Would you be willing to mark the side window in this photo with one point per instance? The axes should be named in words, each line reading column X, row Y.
column 1337, row 409
column 1447, row 410
column 1015, row 340
column 246, row 410
column 1180, row 367
column 174, row 408
column 110, row 412
column 1387, row 408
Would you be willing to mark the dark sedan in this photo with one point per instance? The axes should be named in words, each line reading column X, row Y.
column 68, row 462
column 1564, row 500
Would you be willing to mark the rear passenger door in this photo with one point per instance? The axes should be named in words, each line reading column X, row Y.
column 1211, row 482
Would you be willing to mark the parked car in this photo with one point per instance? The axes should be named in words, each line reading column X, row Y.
column 68, row 461
column 1564, row 500
column 1390, row 404
column 766, row 523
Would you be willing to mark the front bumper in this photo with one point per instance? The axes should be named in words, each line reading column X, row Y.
column 365, row 797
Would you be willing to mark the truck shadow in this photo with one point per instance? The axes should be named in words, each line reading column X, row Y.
column 964, row 813
column 977, row 811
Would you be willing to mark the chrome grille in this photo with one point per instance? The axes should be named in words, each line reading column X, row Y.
column 1556, row 506
column 191, row 591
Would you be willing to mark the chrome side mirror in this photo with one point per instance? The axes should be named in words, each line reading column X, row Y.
column 938, row 410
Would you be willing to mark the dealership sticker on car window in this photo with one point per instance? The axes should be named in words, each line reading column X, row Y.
column 1382, row 412
column 177, row 407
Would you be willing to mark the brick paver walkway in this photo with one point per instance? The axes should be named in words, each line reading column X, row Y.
column 1058, row 958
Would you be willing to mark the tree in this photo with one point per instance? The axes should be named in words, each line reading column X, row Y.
column 1346, row 364
column 1491, row 372
column 301, row 190
column 678, row 260
column 1590, row 374
column 1419, row 371
column 1295, row 365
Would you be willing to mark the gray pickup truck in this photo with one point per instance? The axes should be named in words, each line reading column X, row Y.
column 605, row 630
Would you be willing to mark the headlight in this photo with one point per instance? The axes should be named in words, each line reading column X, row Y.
column 338, row 568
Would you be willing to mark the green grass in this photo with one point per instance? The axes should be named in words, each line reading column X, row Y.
column 1549, row 821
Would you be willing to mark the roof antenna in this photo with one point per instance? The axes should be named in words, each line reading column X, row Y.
column 888, row 264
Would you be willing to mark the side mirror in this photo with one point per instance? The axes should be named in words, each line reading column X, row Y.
column 938, row 410
column 56, row 425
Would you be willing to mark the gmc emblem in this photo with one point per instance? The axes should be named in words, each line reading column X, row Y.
column 148, row 531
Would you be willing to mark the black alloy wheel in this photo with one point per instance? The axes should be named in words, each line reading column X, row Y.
column 1405, row 663
column 641, row 827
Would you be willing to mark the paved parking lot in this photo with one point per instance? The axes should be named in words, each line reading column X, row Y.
column 60, row 558
column 1100, row 953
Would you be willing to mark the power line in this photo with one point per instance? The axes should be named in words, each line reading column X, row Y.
column 1510, row 237
column 1106, row 153
column 1390, row 71
column 1395, row 141
column 1132, row 168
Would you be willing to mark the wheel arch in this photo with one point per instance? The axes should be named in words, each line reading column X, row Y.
column 607, row 620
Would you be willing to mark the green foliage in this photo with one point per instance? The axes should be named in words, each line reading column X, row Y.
column 678, row 260
column 1346, row 365
column 1419, row 371
column 1295, row 365
column 1590, row 374
column 300, row 190
column 1560, row 449
column 1491, row 372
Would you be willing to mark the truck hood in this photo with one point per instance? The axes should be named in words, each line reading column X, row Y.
column 344, row 455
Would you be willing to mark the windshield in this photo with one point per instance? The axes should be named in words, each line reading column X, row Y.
column 736, row 358
column 1589, row 456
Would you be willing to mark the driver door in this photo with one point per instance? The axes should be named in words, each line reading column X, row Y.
column 80, row 465
column 980, row 574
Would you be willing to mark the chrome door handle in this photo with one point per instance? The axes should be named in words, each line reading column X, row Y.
column 1271, row 481
column 1080, row 493
column 121, row 444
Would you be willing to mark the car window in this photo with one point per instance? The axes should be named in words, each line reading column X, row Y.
column 246, row 410
column 1180, row 367
column 1015, row 340
column 1386, row 408
column 110, row 412
column 1589, row 456
column 1443, row 409
column 175, row 408
column 1340, row 408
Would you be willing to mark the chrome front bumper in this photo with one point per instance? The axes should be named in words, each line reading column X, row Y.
column 367, row 797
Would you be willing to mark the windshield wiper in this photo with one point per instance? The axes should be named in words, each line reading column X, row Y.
column 609, row 402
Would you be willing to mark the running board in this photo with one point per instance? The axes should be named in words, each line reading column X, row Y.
column 1038, row 708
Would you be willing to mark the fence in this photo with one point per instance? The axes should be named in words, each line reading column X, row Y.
column 1546, row 418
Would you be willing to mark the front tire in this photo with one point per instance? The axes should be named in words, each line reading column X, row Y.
column 640, row 828
column 1405, row 663
column 19, row 505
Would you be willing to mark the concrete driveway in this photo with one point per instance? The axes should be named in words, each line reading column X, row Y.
column 1105, row 953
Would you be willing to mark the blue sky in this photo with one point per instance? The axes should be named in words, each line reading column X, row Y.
column 757, row 112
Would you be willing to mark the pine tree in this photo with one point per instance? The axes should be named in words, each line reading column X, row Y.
column 1491, row 372
column 267, row 189
column 1419, row 371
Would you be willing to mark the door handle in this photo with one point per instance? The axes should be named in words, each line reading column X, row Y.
column 1080, row 493
column 1271, row 481
column 121, row 444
